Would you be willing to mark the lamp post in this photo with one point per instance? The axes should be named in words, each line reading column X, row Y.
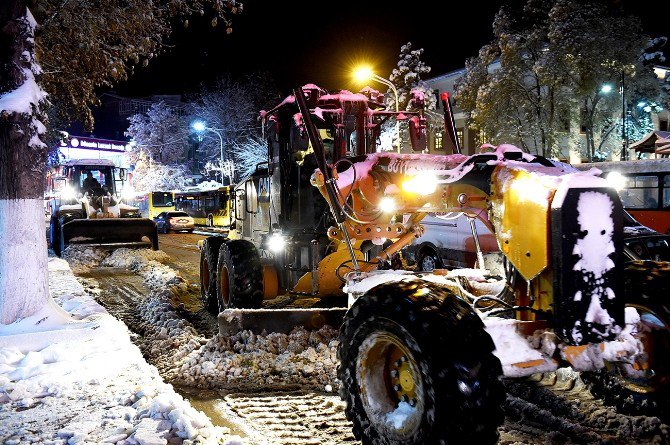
column 363, row 74
column 199, row 126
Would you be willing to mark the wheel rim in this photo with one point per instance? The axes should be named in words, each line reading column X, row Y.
column 428, row 263
column 224, row 286
column 651, row 371
column 391, row 386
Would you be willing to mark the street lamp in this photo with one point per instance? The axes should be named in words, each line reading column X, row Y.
column 363, row 74
column 199, row 127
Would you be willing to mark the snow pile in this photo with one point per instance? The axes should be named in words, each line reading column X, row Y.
column 244, row 360
column 300, row 358
column 91, row 385
column 148, row 264
column 83, row 258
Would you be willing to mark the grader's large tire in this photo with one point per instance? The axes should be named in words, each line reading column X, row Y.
column 209, row 257
column 642, row 388
column 417, row 367
column 240, row 276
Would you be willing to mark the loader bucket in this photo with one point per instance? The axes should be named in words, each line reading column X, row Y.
column 116, row 232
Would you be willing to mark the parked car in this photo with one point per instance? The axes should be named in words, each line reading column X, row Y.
column 449, row 244
column 174, row 222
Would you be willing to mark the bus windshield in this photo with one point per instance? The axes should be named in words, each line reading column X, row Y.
column 162, row 199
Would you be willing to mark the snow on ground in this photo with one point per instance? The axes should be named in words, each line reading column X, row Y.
column 244, row 360
column 91, row 385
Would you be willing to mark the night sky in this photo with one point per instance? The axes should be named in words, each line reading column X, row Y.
column 315, row 41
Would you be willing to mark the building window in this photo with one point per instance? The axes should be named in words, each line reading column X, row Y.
column 459, row 136
column 439, row 142
column 663, row 124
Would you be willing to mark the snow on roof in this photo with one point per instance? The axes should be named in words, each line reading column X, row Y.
column 90, row 162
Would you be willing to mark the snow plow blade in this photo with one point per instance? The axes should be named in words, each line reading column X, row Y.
column 282, row 321
column 117, row 232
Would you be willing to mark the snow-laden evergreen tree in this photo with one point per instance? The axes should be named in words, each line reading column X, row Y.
column 81, row 46
column 408, row 78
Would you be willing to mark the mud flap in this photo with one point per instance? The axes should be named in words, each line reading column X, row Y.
column 282, row 321
column 587, row 246
column 111, row 231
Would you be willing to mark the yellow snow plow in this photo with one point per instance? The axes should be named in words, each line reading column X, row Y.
column 87, row 208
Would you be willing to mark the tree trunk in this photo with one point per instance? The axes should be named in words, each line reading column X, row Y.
column 23, row 251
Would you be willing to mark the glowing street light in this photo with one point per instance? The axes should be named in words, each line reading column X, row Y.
column 199, row 127
column 363, row 74
column 605, row 89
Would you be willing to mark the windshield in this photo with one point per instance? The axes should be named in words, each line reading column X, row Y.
column 89, row 179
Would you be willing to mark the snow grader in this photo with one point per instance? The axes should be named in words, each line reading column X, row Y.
column 87, row 208
column 422, row 355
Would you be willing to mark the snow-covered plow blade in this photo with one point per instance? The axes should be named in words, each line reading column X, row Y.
column 115, row 232
column 283, row 321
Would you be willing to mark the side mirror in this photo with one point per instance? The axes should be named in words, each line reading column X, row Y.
column 64, row 170
column 122, row 174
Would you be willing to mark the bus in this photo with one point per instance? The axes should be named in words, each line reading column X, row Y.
column 211, row 208
column 644, row 188
column 153, row 203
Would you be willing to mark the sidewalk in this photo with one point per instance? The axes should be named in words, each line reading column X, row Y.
column 78, row 379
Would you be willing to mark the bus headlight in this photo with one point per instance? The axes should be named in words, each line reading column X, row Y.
column 423, row 184
column 276, row 243
column 616, row 180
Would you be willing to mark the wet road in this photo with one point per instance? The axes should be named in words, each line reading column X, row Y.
column 183, row 249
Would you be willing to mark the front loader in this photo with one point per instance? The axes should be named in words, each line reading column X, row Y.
column 422, row 354
column 94, row 213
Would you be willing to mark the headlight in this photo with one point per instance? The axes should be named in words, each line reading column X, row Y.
column 423, row 184
column 68, row 193
column 387, row 205
column 616, row 180
column 128, row 192
column 276, row 243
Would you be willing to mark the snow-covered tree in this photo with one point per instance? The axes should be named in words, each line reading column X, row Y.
column 508, row 91
column 162, row 133
column 82, row 45
column 232, row 108
column 539, row 82
column 150, row 176
column 248, row 153
column 23, row 281
column 407, row 78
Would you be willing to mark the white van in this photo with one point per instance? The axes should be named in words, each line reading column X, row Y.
column 448, row 243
